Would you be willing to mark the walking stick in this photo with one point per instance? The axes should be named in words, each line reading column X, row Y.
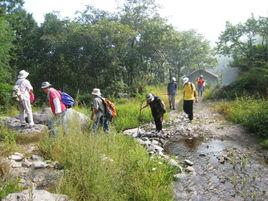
column 139, row 119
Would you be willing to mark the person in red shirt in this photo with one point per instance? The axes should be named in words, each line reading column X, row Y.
column 200, row 85
column 57, row 107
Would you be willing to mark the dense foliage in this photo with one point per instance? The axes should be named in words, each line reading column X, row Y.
column 247, row 44
column 117, row 52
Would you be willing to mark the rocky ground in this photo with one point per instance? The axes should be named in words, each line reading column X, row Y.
column 219, row 160
column 216, row 160
column 31, row 170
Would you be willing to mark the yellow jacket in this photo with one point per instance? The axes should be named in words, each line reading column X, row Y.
column 189, row 92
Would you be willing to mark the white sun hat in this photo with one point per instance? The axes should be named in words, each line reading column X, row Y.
column 45, row 85
column 22, row 74
column 150, row 97
column 185, row 80
column 96, row 92
column 173, row 79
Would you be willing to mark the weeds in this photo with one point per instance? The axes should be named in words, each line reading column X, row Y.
column 108, row 167
column 250, row 112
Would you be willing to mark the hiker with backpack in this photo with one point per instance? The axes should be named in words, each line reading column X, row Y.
column 189, row 95
column 172, row 91
column 57, row 108
column 157, row 108
column 201, row 85
column 22, row 91
column 98, row 114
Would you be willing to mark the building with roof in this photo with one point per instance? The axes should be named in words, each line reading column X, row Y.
column 211, row 78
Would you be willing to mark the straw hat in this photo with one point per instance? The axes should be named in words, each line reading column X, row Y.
column 96, row 92
column 22, row 74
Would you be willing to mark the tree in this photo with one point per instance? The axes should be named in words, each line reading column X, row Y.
column 245, row 42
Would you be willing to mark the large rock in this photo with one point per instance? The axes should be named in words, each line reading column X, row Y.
column 41, row 120
column 35, row 195
column 14, row 124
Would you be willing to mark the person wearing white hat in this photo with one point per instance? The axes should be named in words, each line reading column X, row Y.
column 189, row 95
column 172, row 92
column 57, row 108
column 24, row 91
column 157, row 108
column 98, row 112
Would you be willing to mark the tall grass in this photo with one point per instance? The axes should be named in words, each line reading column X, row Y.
column 250, row 112
column 108, row 167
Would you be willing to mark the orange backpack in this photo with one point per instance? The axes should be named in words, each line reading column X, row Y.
column 110, row 110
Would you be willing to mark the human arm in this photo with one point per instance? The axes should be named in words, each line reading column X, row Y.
column 144, row 106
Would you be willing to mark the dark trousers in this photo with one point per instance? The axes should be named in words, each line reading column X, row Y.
column 188, row 108
column 158, row 123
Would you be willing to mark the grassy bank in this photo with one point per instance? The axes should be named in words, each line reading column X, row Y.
column 251, row 113
column 108, row 167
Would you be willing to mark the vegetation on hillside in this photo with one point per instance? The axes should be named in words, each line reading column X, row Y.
column 247, row 44
column 117, row 52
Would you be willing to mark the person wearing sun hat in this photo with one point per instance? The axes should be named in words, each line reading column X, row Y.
column 24, row 90
column 97, row 114
column 189, row 95
column 157, row 109
column 57, row 108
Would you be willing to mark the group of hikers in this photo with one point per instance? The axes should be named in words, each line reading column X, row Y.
column 23, row 91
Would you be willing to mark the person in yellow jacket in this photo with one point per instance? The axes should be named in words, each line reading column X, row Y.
column 189, row 96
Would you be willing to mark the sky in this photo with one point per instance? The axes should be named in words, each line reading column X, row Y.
column 207, row 17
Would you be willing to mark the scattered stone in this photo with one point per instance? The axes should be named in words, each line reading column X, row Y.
column 16, row 157
column 188, row 162
column 189, row 169
column 36, row 195
column 202, row 155
column 39, row 165
column 36, row 158
column 15, row 164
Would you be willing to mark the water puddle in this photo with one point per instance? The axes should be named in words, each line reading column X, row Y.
column 224, row 170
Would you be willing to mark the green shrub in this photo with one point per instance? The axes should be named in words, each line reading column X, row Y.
column 251, row 83
column 7, row 187
column 250, row 112
column 7, row 141
column 108, row 167
column 5, row 96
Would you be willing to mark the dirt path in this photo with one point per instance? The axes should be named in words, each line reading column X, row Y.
column 228, row 164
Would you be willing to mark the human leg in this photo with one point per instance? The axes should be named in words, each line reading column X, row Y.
column 22, row 113
column 158, row 123
column 173, row 102
column 170, row 101
column 106, row 122
column 28, row 111
column 188, row 108
column 96, row 124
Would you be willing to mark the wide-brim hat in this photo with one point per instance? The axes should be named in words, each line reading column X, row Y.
column 22, row 74
column 173, row 79
column 150, row 97
column 45, row 85
column 185, row 80
column 96, row 92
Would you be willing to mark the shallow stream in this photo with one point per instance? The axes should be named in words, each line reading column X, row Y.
column 223, row 170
